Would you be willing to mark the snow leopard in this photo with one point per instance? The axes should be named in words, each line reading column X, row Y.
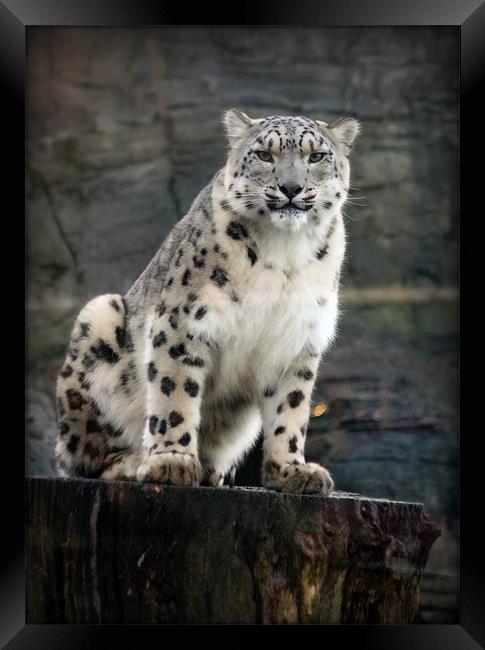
column 218, row 341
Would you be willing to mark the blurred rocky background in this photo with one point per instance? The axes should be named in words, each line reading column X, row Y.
column 124, row 128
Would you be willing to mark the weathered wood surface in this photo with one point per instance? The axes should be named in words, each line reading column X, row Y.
column 113, row 552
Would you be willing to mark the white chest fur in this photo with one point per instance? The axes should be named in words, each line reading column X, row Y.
column 285, row 308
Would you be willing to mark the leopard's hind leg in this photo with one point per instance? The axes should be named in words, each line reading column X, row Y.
column 97, row 379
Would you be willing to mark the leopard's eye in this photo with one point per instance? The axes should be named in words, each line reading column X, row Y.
column 265, row 156
column 316, row 157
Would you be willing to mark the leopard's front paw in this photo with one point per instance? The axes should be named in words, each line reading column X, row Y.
column 306, row 478
column 212, row 477
column 171, row 469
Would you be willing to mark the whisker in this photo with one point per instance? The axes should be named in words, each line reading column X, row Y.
column 358, row 205
column 347, row 216
column 358, row 218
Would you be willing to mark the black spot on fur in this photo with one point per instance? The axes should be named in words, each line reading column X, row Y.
column 162, row 429
column 114, row 449
column 152, row 424
column 173, row 319
column 60, row 407
column 120, row 333
column 186, row 277
column 252, row 256
column 280, row 408
column 105, row 352
column 305, row 373
column 327, row 205
column 200, row 313
column 125, row 382
column 73, row 353
column 66, row 371
column 159, row 339
column 279, row 430
column 191, row 387
column 73, row 444
column 115, row 433
column 236, row 230
column 86, row 385
column 193, row 361
column 269, row 392
column 295, row 398
column 199, row 262
column 162, row 309
column 321, row 252
column 219, row 276
column 88, row 361
column 75, row 399
column 177, row 351
column 115, row 305
column 95, row 408
column 85, row 329
column 292, row 445
column 63, row 428
column 167, row 385
column 151, row 371
column 185, row 440
column 175, row 418
column 93, row 426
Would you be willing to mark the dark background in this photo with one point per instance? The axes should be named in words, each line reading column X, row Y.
column 124, row 128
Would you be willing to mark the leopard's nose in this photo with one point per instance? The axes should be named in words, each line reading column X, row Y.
column 290, row 191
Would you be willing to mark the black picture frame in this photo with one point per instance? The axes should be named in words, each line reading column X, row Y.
column 15, row 17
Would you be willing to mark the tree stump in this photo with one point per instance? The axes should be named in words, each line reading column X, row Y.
column 127, row 552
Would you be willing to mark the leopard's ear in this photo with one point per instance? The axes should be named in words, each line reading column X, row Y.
column 237, row 123
column 344, row 131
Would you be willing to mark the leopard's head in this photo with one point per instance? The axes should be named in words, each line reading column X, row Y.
column 286, row 169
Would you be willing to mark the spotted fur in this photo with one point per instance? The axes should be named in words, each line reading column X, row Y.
column 221, row 335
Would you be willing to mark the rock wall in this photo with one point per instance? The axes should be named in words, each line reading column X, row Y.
column 124, row 128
